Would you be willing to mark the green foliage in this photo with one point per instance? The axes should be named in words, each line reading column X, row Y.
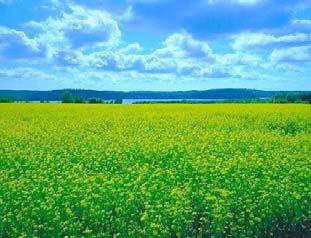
column 221, row 170
column 67, row 97
column 5, row 99
column 95, row 101
column 79, row 100
column 292, row 98
column 118, row 101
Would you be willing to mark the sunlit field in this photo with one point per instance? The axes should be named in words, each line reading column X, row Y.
column 155, row 170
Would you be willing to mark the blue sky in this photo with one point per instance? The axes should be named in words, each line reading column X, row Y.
column 155, row 44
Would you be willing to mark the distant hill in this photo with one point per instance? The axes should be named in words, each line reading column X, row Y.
column 55, row 95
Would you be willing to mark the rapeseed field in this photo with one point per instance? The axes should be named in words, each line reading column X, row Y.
column 155, row 170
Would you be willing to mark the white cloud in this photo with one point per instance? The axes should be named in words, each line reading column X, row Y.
column 303, row 25
column 22, row 72
column 55, row 3
column 239, row 58
column 262, row 40
column 292, row 55
column 303, row 22
column 16, row 45
column 182, row 45
column 179, row 51
column 127, row 15
column 117, row 61
column 78, row 28
column 181, row 55
column 132, row 48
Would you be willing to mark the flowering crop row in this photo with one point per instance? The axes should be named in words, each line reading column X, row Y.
column 155, row 170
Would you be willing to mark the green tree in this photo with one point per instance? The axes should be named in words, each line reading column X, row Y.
column 79, row 100
column 118, row 101
column 4, row 99
column 67, row 97
column 95, row 100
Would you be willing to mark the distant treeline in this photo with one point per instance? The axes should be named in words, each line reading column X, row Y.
column 201, row 102
column 279, row 98
column 55, row 95
column 292, row 98
column 189, row 97
column 68, row 97
column 5, row 99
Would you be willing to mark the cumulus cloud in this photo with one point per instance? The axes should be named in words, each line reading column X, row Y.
column 116, row 61
column 303, row 25
column 201, row 70
column 132, row 48
column 212, row 40
column 182, row 45
column 301, row 54
column 302, row 22
column 127, row 15
column 180, row 55
column 16, row 45
column 79, row 28
column 177, row 49
column 22, row 72
column 262, row 40
column 239, row 58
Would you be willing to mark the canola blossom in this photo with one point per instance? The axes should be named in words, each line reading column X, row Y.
column 155, row 170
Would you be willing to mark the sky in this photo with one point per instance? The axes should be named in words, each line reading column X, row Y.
column 158, row 45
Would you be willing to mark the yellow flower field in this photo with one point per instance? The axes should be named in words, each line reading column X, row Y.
column 155, row 170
